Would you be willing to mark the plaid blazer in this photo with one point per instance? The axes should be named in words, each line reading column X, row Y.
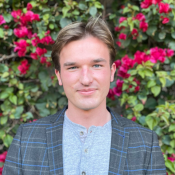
column 37, row 148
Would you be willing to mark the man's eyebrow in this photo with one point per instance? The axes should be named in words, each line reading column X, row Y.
column 69, row 64
column 98, row 60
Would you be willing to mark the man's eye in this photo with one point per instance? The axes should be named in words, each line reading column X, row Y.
column 97, row 65
column 71, row 68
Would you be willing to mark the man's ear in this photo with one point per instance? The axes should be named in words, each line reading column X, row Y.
column 113, row 69
column 58, row 77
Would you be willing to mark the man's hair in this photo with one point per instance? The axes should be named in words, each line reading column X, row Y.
column 95, row 27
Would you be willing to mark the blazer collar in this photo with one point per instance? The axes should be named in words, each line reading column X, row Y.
column 118, row 152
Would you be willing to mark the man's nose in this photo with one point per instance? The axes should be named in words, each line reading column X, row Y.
column 86, row 76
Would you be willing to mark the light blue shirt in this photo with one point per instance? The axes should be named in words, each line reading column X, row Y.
column 86, row 152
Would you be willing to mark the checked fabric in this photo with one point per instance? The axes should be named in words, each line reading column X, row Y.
column 37, row 148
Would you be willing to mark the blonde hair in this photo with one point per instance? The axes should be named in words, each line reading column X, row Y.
column 95, row 27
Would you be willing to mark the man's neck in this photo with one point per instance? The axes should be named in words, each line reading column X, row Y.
column 98, row 116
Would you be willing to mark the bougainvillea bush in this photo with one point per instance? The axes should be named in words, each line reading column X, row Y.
column 28, row 86
column 144, row 32
column 145, row 83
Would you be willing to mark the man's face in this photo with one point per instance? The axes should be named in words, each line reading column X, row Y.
column 85, row 72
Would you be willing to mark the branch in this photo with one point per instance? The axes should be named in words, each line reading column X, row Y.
column 5, row 57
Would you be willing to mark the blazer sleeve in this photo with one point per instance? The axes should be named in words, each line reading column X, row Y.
column 13, row 163
column 156, row 164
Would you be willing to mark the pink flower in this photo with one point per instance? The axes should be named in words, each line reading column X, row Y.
column 118, row 89
column 40, row 51
column 165, row 20
column 29, row 6
column 43, row 60
column 117, row 63
column 34, row 56
column 137, row 88
column 0, row 114
column 135, row 33
column 163, row 7
column 134, row 119
column 127, row 62
column 169, row 53
column 24, row 67
column 35, row 41
column 29, row 17
column 122, row 36
column 3, row 156
column 122, row 19
column 21, row 32
column 122, row 72
column 118, row 43
column 16, row 15
column 48, row 32
column 2, row 21
column 157, row 54
column 140, row 17
column 146, row 3
column 21, row 47
column 47, row 40
column 140, row 57
column 156, row 1
column 48, row 64
column 143, row 26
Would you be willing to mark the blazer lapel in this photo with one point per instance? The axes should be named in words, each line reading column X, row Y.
column 119, row 146
column 54, row 135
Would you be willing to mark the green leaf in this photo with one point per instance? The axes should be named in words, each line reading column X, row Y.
column 139, row 107
column 13, row 99
column 42, row 109
column 151, row 103
column 126, row 43
column 3, row 68
column 51, row 26
column 142, row 120
column 172, row 143
column 169, row 83
column 1, row 33
column 151, row 83
column 8, row 140
column 7, row 17
column 3, row 120
column 162, row 35
column 2, row 134
column 151, row 30
column 65, row 10
column 170, row 165
column 62, row 102
column 18, row 112
column 64, row 22
column 124, row 86
column 141, row 73
column 98, row 5
column 166, row 139
column 156, row 90
column 82, row 5
column 173, row 35
column 172, row 128
column 172, row 45
column 151, row 122
column 163, row 81
column 93, row 11
column 4, row 95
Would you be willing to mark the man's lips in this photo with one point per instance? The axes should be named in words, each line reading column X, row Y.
column 88, row 91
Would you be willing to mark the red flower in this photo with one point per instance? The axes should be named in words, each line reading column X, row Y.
column 29, row 17
column 3, row 156
column 117, row 29
column 146, row 3
column 111, row 94
column 134, row 119
column 0, row 114
column 118, row 43
column 135, row 34
column 117, row 63
column 40, row 51
column 127, row 62
column 43, row 60
column 21, row 32
column 6, row 27
column 35, row 41
column 2, row 21
column 24, row 67
column 165, row 20
column 156, row 1
column 47, row 40
column 29, row 6
column 122, row 19
column 34, row 56
column 21, row 47
column 122, row 36
column 48, row 64
column 140, row 17
column 169, row 53
column 143, row 26
column 137, row 88
column 118, row 89
column 163, row 7
column 16, row 15
column 122, row 72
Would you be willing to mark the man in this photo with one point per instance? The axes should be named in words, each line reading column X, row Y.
column 86, row 137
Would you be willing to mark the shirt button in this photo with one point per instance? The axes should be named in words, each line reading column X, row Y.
column 83, row 173
column 86, row 150
column 81, row 133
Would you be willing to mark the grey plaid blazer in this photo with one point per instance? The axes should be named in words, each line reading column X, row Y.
column 37, row 149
